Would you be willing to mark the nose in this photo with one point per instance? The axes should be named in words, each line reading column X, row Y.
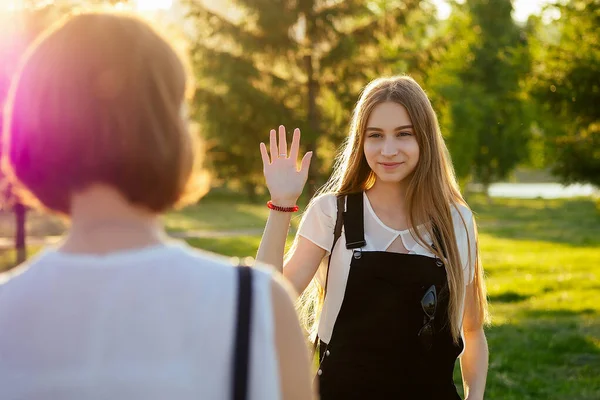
column 389, row 149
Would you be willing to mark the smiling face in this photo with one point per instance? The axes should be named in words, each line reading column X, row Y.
column 390, row 145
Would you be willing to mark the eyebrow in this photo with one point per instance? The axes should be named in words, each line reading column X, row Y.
column 370, row 128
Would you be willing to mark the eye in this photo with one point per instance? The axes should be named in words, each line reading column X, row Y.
column 374, row 135
column 405, row 133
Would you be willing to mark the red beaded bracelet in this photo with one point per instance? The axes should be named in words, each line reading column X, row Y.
column 282, row 209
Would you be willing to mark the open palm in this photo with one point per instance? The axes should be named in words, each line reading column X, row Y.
column 284, row 180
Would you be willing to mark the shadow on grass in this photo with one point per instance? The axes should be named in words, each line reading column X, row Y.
column 239, row 246
column 551, row 358
column 225, row 215
column 508, row 297
column 558, row 313
column 574, row 222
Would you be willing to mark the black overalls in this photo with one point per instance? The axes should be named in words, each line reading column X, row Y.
column 375, row 351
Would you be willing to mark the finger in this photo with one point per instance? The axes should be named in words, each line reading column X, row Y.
column 282, row 142
column 264, row 154
column 295, row 145
column 306, row 164
column 273, row 144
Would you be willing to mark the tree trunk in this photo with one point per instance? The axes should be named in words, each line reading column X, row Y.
column 464, row 187
column 313, row 123
column 485, row 183
column 250, row 189
column 20, row 248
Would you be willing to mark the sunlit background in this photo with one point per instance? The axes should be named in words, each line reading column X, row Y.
column 516, row 88
column 140, row 4
column 154, row 4
column 523, row 8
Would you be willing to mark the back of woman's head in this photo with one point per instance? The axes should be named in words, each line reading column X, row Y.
column 98, row 99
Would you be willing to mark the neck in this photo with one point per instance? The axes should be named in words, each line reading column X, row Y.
column 103, row 221
column 389, row 195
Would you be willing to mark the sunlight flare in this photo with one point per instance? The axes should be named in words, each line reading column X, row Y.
column 154, row 4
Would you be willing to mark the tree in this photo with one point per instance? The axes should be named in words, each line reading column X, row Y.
column 458, row 103
column 302, row 62
column 478, row 87
column 566, row 85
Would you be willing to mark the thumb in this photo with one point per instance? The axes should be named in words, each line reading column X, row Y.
column 306, row 162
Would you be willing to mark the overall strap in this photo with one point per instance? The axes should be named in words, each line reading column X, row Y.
column 241, row 351
column 354, row 221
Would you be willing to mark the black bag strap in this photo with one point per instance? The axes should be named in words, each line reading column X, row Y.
column 241, row 351
column 337, row 233
column 355, row 221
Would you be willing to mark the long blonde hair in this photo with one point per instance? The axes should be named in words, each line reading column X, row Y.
column 431, row 194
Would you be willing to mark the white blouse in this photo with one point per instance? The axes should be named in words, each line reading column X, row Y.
column 318, row 224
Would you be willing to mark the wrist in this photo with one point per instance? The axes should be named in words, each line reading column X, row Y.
column 281, row 202
column 279, row 208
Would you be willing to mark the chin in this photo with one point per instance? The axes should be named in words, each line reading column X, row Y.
column 388, row 178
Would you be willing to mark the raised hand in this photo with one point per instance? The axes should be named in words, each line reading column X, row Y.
column 284, row 180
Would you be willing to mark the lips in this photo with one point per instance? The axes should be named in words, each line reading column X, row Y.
column 390, row 164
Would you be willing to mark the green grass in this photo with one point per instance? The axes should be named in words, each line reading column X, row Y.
column 542, row 263
column 223, row 213
column 544, row 299
column 223, row 216
column 235, row 246
column 573, row 222
column 8, row 256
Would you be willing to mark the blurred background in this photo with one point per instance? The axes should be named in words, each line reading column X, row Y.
column 516, row 85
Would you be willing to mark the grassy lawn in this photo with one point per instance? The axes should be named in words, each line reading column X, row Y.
column 223, row 214
column 542, row 261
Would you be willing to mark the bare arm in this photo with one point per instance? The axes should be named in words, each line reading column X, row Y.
column 292, row 351
column 304, row 260
column 285, row 183
column 474, row 361
column 272, row 243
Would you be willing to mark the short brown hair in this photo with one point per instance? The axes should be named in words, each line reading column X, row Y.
column 98, row 99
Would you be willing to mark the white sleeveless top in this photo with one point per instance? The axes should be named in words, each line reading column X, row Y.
column 156, row 323
column 318, row 224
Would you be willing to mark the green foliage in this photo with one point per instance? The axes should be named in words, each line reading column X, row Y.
column 458, row 104
column 566, row 85
column 477, row 85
